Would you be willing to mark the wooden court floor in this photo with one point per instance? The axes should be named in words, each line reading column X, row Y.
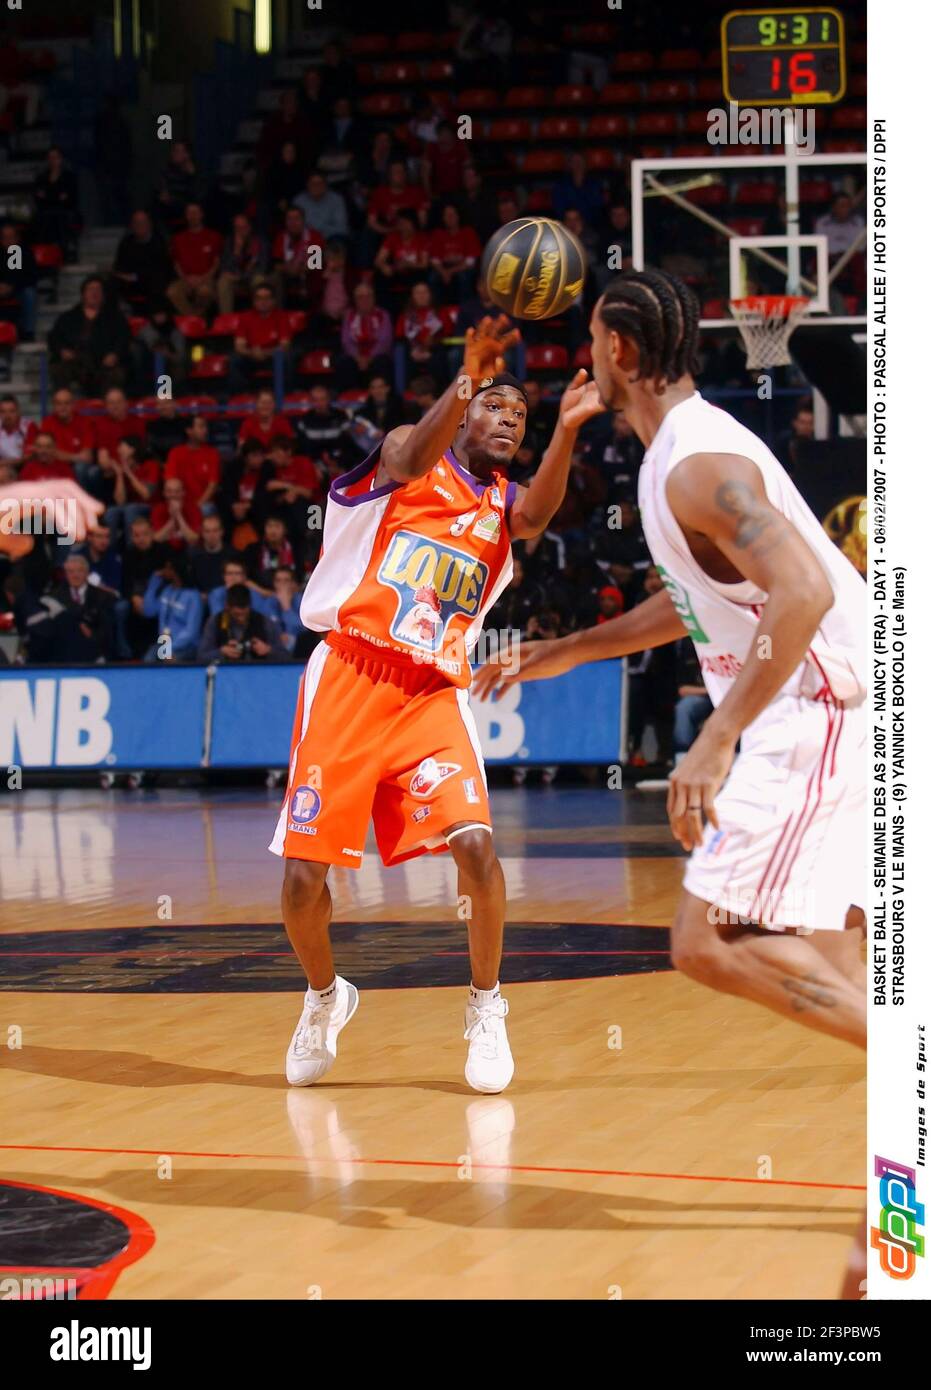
column 658, row 1141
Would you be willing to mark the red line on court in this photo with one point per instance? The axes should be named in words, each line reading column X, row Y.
column 443, row 1163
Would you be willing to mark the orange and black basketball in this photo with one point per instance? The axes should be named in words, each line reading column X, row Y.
column 533, row 268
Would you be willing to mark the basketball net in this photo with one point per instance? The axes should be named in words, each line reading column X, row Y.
column 766, row 323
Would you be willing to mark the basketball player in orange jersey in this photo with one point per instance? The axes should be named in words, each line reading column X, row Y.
column 774, row 891
column 416, row 549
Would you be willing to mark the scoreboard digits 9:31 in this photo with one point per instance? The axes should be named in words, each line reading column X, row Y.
column 775, row 57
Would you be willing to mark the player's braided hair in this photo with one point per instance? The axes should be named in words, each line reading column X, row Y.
column 660, row 314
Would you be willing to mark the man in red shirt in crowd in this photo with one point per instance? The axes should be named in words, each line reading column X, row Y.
column 454, row 249
column 115, row 424
column 73, row 433
column 175, row 519
column 43, row 461
column 292, row 259
column 195, row 254
column 265, row 424
column 196, row 464
column 296, row 479
column 404, row 254
column 262, row 331
column 444, row 162
column 388, row 199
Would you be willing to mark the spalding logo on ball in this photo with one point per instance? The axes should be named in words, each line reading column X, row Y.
column 533, row 268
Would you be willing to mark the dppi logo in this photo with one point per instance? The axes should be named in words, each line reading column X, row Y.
column 433, row 582
column 896, row 1237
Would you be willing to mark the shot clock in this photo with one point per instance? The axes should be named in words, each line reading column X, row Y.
column 783, row 57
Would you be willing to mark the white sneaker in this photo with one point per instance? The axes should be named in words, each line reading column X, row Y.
column 313, row 1046
column 489, row 1065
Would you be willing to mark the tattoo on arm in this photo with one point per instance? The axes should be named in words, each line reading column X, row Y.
column 809, row 992
column 750, row 517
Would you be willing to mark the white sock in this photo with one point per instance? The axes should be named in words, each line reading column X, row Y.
column 480, row 997
column 323, row 996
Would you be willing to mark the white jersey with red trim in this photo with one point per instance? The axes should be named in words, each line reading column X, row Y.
column 722, row 619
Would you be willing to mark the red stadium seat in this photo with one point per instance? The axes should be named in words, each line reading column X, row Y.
column 696, row 122
column 384, row 104
column 583, row 356
column 8, row 335
column 546, row 357
column 225, row 326
column 599, row 157
column 369, row 43
column 543, row 162
column 198, row 405
column 690, row 151
column 748, row 226
column 509, row 128
column 608, row 127
column 759, row 194
column 397, row 72
column 634, row 61
column 238, row 407
column 357, row 396
column 297, row 402
column 526, row 97
column 680, row 60
column 846, row 146
column 572, row 95
column 439, row 71
column 709, row 89
column 596, row 33
column 419, row 41
column 136, row 323
column 48, row 256
column 714, row 309
column 147, row 408
column 620, row 94
column 478, row 98
column 559, row 128
column 856, row 84
column 191, row 326
column 318, row 363
column 656, row 123
column 713, row 195
column 540, row 200
column 815, row 190
column 849, row 118
column 211, row 366
column 668, row 89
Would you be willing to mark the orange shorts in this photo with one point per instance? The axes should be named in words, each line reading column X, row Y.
column 383, row 740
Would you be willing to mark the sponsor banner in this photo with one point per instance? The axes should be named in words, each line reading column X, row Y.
column 110, row 718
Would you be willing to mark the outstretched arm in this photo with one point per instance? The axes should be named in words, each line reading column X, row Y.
column 411, row 450
column 536, row 505
column 653, row 623
column 722, row 498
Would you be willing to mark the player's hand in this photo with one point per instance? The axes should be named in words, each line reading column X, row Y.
column 580, row 401
column 522, row 661
column 695, row 783
column 485, row 346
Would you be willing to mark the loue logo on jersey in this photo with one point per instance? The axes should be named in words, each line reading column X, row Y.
column 896, row 1237
column 430, row 774
column 433, row 583
column 683, row 606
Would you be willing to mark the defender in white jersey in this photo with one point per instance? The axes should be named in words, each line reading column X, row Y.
column 774, row 890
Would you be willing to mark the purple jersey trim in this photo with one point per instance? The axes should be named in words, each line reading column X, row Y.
column 353, row 476
column 510, row 497
column 476, row 484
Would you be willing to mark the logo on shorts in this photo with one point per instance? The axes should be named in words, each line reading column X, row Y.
column 421, row 813
column 471, row 794
column 430, row 774
column 305, row 805
column 434, row 583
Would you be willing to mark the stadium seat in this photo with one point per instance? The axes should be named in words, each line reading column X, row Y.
column 546, row 357
column 848, row 145
column 297, row 402
column 225, row 326
column 318, row 363
column 857, row 84
column 526, row 97
column 608, row 127
column 668, row 90
column 815, row 190
column 356, row 396
column 297, row 321
column 543, row 162
column 199, row 405
column 191, row 326
column 696, row 122
column 620, row 94
column 136, row 323
column 713, row 195
column 212, row 366
column 369, row 43
column 715, row 309
column 748, row 226
column 756, row 193
column 656, row 123
column 634, row 61
column 406, row 73
column 509, row 129
column 48, row 256
column 8, row 335
column 600, row 157
column 571, row 95
column 238, row 407
column 441, row 70
column 680, row 60
column 709, row 89
column 583, row 356
column 540, row 199
column 593, row 33
column 478, row 98
column 849, row 118
column 419, row 41
column 147, row 408
column 384, row 104
column 559, row 128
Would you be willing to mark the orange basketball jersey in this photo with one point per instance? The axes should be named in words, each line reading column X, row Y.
column 411, row 569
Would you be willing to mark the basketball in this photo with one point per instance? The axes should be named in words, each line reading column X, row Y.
column 533, row 268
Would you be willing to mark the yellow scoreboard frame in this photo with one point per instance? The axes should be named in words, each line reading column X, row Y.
column 789, row 30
